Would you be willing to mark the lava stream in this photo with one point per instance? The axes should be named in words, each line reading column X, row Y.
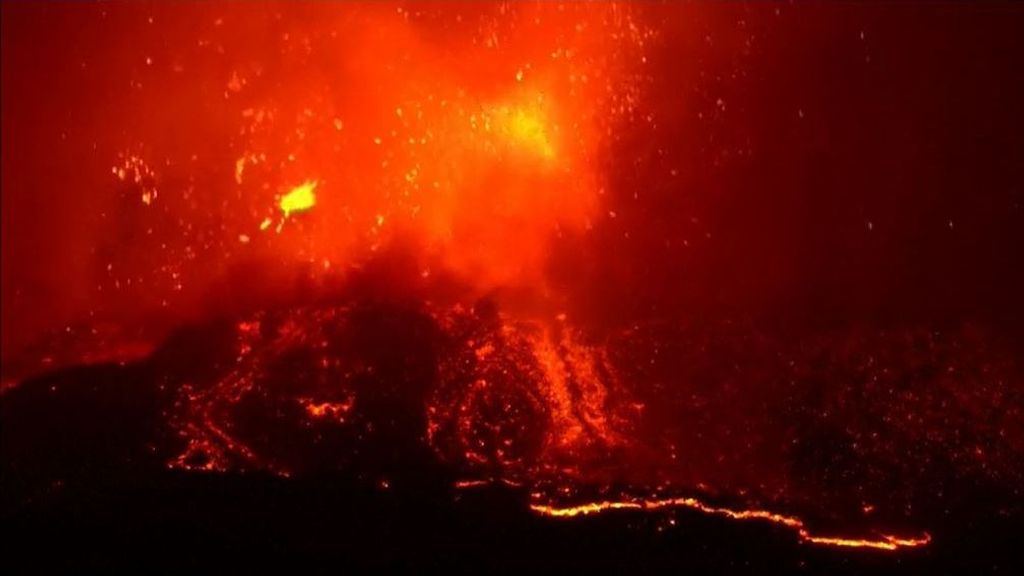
column 884, row 542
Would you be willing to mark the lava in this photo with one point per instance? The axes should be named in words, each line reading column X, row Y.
column 497, row 398
column 480, row 147
column 884, row 542
column 299, row 199
column 335, row 410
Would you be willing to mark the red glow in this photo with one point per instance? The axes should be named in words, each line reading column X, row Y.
column 619, row 256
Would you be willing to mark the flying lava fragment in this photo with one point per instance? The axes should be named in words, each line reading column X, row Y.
column 299, row 199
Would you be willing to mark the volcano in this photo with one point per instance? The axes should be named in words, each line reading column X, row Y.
column 512, row 287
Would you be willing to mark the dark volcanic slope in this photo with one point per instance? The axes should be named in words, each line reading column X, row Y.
column 338, row 436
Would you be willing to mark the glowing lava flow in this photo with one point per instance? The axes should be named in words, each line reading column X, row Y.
column 515, row 403
column 884, row 542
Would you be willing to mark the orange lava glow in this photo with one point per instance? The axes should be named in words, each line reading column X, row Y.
column 884, row 542
column 518, row 401
column 554, row 399
column 478, row 148
column 335, row 410
column 474, row 136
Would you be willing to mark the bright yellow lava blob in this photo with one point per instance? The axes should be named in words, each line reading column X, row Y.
column 300, row 199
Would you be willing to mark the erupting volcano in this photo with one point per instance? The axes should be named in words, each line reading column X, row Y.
column 512, row 285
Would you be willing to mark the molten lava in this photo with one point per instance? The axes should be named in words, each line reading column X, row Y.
column 300, row 199
column 885, row 542
column 498, row 399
